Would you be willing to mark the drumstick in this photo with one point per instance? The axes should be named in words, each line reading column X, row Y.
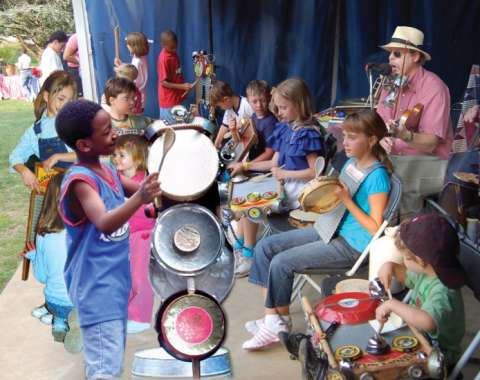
column 261, row 177
column 116, row 35
column 190, row 89
column 318, row 329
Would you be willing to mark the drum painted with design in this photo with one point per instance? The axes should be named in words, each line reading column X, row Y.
column 190, row 326
column 256, row 199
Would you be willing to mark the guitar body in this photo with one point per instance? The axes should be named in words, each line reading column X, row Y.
column 411, row 118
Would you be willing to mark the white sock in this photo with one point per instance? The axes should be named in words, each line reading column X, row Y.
column 277, row 323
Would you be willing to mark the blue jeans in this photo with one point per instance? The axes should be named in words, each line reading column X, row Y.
column 104, row 349
column 166, row 115
column 279, row 256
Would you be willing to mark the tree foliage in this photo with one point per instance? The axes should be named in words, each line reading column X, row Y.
column 35, row 20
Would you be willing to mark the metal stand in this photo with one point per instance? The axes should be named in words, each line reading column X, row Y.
column 370, row 87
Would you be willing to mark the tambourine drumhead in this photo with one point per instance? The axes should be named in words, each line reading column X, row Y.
column 303, row 216
column 319, row 196
column 217, row 280
column 187, row 238
column 189, row 168
column 190, row 326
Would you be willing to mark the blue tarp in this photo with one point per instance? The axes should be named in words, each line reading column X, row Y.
column 275, row 39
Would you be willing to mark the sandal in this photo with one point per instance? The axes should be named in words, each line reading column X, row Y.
column 262, row 339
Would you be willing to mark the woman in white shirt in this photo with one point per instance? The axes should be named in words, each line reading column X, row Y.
column 51, row 60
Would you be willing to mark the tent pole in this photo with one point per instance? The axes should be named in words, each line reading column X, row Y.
column 87, row 70
column 210, row 27
column 336, row 53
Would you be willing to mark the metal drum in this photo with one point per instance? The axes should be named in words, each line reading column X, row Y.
column 191, row 165
column 187, row 239
column 190, row 326
column 160, row 363
column 217, row 279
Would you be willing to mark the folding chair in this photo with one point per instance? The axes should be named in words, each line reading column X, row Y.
column 390, row 211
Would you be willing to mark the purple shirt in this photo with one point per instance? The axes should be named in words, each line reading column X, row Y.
column 428, row 89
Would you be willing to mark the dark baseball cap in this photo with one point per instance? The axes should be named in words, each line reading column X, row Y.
column 432, row 238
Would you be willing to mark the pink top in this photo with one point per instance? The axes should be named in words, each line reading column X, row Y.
column 72, row 45
column 141, row 64
column 138, row 221
column 428, row 89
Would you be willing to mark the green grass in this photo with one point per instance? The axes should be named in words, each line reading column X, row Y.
column 15, row 117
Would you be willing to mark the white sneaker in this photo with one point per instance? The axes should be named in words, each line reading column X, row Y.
column 47, row 319
column 243, row 267
column 39, row 312
column 253, row 326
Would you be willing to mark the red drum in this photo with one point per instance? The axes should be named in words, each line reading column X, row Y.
column 191, row 326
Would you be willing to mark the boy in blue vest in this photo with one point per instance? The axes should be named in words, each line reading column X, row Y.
column 93, row 207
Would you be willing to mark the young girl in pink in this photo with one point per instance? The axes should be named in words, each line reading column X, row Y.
column 137, row 45
column 129, row 158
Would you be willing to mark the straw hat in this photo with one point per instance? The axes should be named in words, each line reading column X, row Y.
column 406, row 37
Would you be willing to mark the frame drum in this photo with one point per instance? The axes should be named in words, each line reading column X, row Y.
column 319, row 196
column 189, row 168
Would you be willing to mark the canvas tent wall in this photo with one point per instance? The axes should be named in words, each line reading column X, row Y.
column 275, row 39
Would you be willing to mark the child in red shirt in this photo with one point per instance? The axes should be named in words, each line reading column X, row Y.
column 171, row 86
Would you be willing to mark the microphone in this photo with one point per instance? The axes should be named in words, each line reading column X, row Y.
column 382, row 68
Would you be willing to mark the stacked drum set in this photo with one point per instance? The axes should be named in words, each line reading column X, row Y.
column 190, row 268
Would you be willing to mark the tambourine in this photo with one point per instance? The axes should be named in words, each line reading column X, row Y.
column 319, row 196
column 301, row 219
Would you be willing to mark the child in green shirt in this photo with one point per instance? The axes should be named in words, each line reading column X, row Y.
column 430, row 247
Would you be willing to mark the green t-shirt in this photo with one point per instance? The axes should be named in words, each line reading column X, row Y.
column 446, row 308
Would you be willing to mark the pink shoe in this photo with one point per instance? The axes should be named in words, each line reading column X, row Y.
column 262, row 339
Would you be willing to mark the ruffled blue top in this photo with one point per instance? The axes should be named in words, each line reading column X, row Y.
column 294, row 146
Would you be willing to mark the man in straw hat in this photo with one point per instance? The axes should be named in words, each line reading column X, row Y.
column 420, row 156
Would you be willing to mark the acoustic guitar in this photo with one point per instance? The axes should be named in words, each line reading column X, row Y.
column 410, row 118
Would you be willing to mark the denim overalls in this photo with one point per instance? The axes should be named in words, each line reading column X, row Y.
column 48, row 147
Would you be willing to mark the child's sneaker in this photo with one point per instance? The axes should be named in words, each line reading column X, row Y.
column 134, row 327
column 243, row 267
column 39, row 312
column 59, row 329
column 73, row 339
column 47, row 319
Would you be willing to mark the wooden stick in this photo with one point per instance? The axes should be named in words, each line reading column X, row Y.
column 116, row 35
column 318, row 329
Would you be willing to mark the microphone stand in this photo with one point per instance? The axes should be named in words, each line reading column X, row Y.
column 370, row 87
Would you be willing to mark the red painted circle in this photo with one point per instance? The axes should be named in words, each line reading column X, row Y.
column 194, row 325
column 347, row 308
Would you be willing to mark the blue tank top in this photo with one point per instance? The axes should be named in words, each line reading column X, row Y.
column 97, row 269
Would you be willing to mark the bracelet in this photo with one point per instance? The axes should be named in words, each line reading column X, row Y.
column 245, row 166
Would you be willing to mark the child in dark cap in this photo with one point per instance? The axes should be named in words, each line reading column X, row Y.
column 430, row 248
column 93, row 207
